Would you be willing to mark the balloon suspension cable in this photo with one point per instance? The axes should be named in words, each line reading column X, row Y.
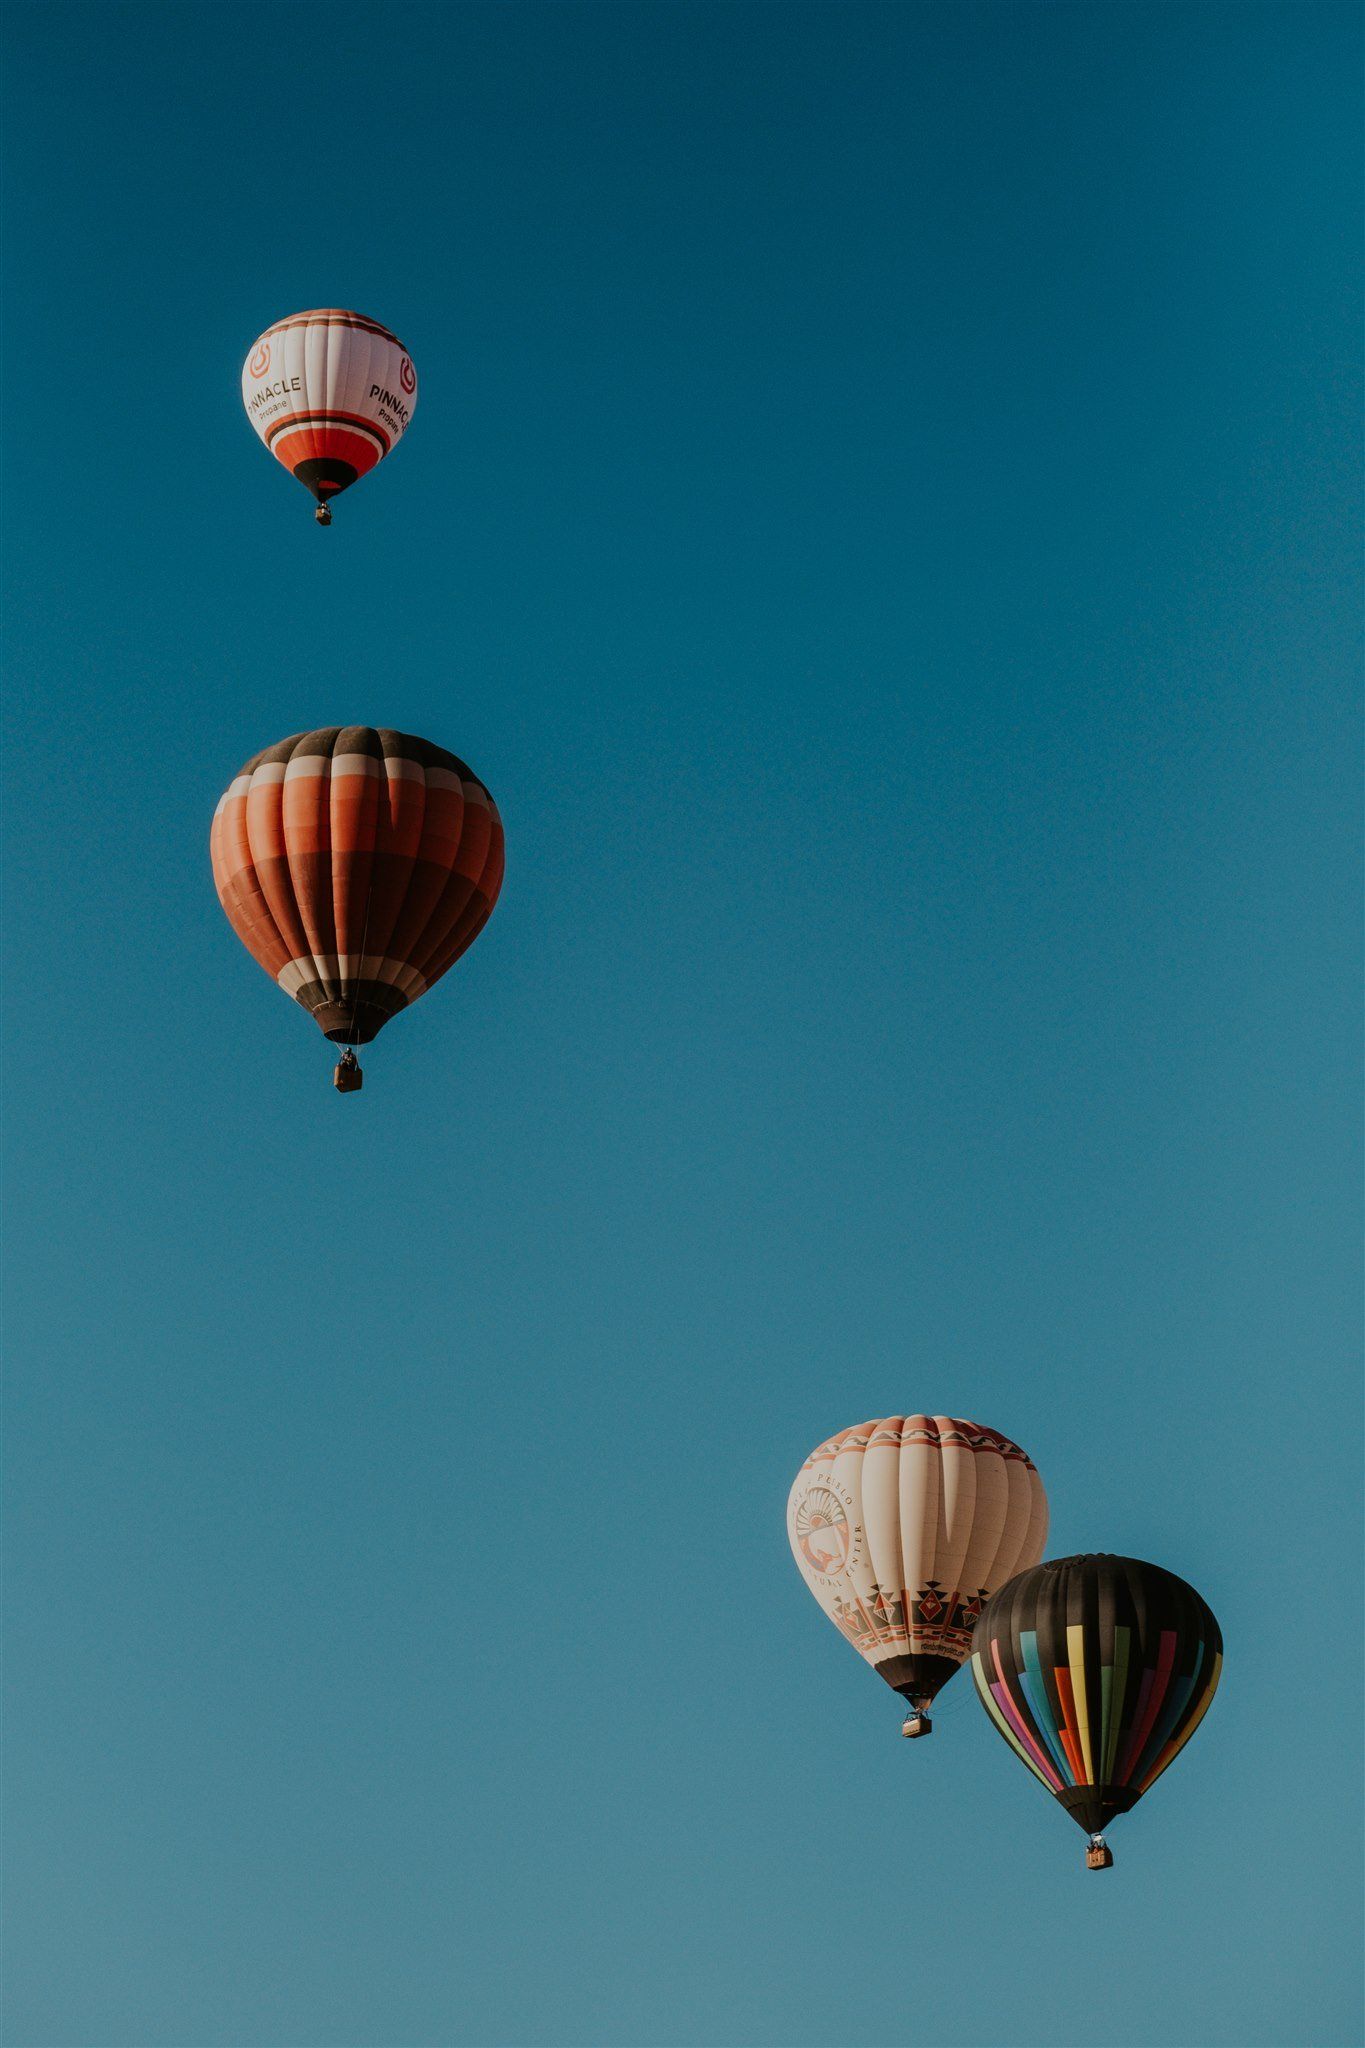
column 348, row 1074
column 364, row 935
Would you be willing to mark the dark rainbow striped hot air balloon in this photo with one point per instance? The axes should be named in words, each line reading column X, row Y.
column 1097, row 1671
column 356, row 865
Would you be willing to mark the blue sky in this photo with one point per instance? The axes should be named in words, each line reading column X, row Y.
column 883, row 516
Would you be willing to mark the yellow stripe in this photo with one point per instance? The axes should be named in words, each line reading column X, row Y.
column 1075, row 1647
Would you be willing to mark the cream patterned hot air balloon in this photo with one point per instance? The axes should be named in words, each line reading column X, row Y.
column 330, row 393
column 903, row 1529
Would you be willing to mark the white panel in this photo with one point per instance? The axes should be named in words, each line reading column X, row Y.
column 960, row 1506
column 921, row 1484
column 1035, row 1543
column 1015, row 1533
column 992, row 1493
column 315, row 336
column 343, row 346
column 882, row 1521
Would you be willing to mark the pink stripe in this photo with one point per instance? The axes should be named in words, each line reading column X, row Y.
column 1153, row 1692
column 1008, row 1709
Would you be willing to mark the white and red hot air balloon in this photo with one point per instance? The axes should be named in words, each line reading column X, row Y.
column 330, row 393
column 903, row 1529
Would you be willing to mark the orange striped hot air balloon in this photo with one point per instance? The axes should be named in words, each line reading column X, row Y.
column 356, row 865
column 330, row 393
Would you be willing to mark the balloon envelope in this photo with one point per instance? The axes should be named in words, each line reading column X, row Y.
column 901, row 1528
column 1097, row 1671
column 330, row 393
column 356, row 865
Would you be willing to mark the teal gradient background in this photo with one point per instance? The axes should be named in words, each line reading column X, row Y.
column 883, row 516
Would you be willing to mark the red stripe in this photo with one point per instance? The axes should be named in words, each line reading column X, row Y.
column 340, row 443
column 1069, row 1742
column 1137, row 1741
column 299, row 421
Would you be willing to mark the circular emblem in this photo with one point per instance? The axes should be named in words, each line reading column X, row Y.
column 407, row 376
column 260, row 359
column 822, row 1531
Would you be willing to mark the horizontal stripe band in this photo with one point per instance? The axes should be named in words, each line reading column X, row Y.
column 916, row 1441
column 340, row 968
column 332, row 316
column 347, row 422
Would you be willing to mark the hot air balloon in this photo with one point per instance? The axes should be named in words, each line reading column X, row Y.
column 356, row 865
column 330, row 393
column 1097, row 1671
column 902, row 1529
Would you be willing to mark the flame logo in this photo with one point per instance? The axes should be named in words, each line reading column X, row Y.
column 260, row 360
column 407, row 376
